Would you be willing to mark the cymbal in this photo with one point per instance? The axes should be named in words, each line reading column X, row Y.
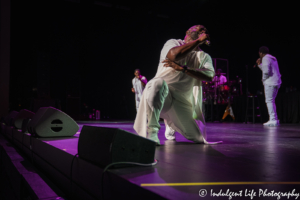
column 231, row 82
column 207, row 83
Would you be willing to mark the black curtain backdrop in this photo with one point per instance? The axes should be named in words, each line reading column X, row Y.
column 94, row 48
column 287, row 104
column 288, row 107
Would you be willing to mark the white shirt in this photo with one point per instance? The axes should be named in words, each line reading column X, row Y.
column 183, row 88
column 221, row 80
column 138, row 87
column 270, row 70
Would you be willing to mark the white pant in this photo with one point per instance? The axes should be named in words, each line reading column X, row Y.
column 160, row 102
column 158, row 97
column 137, row 104
column 270, row 95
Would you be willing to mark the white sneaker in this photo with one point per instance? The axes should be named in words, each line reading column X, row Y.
column 154, row 137
column 272, row 123
column 169, row 133
column 170, row 136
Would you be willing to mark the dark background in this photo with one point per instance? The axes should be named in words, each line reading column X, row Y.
column 89, row 49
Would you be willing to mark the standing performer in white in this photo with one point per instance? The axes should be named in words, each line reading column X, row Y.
column 271, row 79
column 175, row 93
column 138, row 83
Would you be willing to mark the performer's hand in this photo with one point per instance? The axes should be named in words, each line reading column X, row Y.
column 258, row 61
column 132, row 89
column 203, row 37
column 169, row 63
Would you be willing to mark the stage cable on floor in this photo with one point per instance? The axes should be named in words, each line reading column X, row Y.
column 71, row 174
column 30, row 147
column 118, row 163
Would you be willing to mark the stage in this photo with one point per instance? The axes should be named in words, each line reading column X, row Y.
column 249, row 153
column 253, row 160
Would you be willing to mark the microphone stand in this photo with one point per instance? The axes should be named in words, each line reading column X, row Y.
column 247, row 80
column 246, row 118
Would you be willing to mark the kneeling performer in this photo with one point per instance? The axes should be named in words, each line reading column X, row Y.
column 175, row 93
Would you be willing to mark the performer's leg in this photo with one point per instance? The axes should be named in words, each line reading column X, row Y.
column 137, row 104
column 270, row 95
column 180, row 118
column 156, row 95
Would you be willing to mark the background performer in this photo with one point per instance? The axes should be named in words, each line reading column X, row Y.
column 138, row 83
column 271, row 79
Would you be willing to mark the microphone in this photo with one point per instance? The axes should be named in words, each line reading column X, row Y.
column 207, row 42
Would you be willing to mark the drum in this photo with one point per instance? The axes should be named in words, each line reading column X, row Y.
column 224, row 88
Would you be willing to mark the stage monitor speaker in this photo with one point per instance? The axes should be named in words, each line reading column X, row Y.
column 23, row 114
column 103, row 146
column 25, row 124
column 10, row 118
column 51, row 122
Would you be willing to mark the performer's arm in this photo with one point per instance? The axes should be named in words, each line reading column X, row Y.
column 179, row 52
column 202, row 74
column 265, row 67
column 143, row 80
column 258, row 63
column 132, row 89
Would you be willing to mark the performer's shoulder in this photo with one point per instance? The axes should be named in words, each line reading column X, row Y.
column 203, row 54
column 271, row 57
column 174, row 42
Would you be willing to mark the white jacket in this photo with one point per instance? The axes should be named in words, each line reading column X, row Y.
column 270, row 70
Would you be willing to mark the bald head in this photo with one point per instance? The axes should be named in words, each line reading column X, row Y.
column 194, row 32
column 195, row 28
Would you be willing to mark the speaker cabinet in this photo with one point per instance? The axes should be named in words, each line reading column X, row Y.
column 22, row 115
column 25, row 124
column 51, row 122
column 103, row 146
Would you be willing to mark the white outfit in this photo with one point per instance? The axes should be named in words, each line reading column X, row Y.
column 138, row 88
column 272, row 80
column 175, row 97
column 222, row 79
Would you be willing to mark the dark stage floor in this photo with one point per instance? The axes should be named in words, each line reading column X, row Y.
column 252, row 161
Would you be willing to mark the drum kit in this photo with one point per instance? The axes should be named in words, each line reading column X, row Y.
column 219, row 93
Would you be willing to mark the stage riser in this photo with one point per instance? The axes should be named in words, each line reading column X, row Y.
column 18, row 135
column 21, row 176
column 63, row 182
column 2, row 128
column 13, row 175
column 86, row 177
column 58, row 158
column 39, row 148
column 8, row 132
